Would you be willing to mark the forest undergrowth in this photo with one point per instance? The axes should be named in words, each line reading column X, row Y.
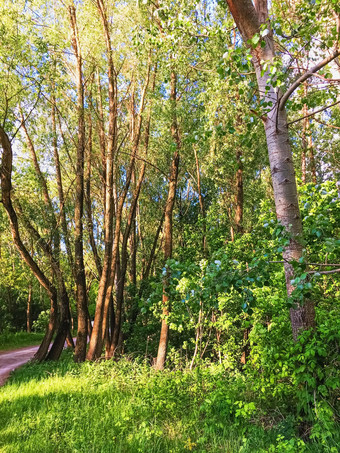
column 127, row 406
column 169, row 195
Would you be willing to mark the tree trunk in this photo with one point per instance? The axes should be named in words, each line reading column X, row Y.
column 101, row 132
column 52, row 254
column 304, row 145
column 95, row 346
column 239, row 193
column 6, row 187
column 305, row 128
column 41, row 177
column 131, row 223
column 60, row 188
column 246, row 347
column 124, row 260
column 29, row 308
column 145, row 276
column 42, row 352
column 199, row 334
column 105, row 288
column 88, row 202
column 80, row 351
column 312, row 158
column 64, row 303
column 248, row 20
column 133, row 246
column 167, row 232
column 202, row 207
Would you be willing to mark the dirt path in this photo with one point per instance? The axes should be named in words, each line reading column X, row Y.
column 10, row 360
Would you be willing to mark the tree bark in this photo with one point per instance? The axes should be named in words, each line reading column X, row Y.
column 80, row 351
column 307, row 144
column 304, row 145
column 96, row 341
column 145, row 276
column 52, row 229
column 239, row 193
column 101, row 130
column 248, row 19
column 202, row 207
column 64, row 303
column 135, row 137
column 109, row 267
column 29, row 308
column 312, row 158
column 167, row 232
column 6, row 187
column 246, row 347
column 53, row 254
column 88, row 202
column 61, row 196
column 133, row 247
column 38, row 171
column 124, row 261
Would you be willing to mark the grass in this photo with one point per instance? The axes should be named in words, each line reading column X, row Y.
column 127, row 407
column 16, row 340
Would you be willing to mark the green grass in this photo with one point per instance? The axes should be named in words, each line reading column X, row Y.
column 16, row 340
column 128, row 407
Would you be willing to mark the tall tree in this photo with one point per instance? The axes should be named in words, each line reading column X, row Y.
column 96, row 341
column 253, row 22
column 6, row 188
column 80, row 351
column 167, row 229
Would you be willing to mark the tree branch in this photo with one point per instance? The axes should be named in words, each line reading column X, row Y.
column 310, row 264
column 314, row 113
column 327, row 125
column 325, row 272
column 134, row 155
column 306, row 76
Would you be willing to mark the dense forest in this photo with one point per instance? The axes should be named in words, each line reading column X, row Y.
column 170, row 202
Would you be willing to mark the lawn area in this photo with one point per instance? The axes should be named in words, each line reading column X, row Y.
column 128, row 407
column 16, row 340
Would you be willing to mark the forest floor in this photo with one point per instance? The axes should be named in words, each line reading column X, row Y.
column 128, row 407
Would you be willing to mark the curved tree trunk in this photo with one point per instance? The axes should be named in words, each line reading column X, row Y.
column 52, row 254
column 6, row 187
column 64, row 320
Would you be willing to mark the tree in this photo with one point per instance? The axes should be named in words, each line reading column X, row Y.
column 253, row 22
column 167, row 232
column 80, row 351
